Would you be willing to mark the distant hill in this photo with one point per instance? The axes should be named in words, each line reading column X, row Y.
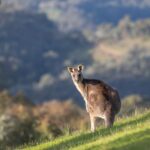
column 75, row 15
column 35, row 50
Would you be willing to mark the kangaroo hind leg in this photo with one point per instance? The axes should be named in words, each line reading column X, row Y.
column 109, row 119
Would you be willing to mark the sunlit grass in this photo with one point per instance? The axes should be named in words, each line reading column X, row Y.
column 128, row 133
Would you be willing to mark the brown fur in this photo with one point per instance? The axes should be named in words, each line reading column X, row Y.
column 101, row 99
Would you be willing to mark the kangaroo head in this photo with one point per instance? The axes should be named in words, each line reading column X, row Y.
column 76, row 73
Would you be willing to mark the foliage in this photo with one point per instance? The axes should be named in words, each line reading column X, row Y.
column 14, row 131
column 132, row 103
column 23, row 122
column 56, row 118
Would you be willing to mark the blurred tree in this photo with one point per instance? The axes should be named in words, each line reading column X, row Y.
column 134, row 103
column 14, row 131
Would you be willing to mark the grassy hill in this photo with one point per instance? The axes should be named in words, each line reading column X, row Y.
column 128, row 133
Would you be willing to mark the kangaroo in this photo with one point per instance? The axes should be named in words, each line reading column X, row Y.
column 101, row 100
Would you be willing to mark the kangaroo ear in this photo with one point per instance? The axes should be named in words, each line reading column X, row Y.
column 80, row 67
column 70, row 69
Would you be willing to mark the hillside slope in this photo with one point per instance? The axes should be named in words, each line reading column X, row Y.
column 127, row 133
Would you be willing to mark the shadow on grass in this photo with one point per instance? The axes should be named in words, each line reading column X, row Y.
column 135, row 141
column 84, row 138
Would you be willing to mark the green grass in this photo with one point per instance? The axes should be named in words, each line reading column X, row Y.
column 128, row 133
